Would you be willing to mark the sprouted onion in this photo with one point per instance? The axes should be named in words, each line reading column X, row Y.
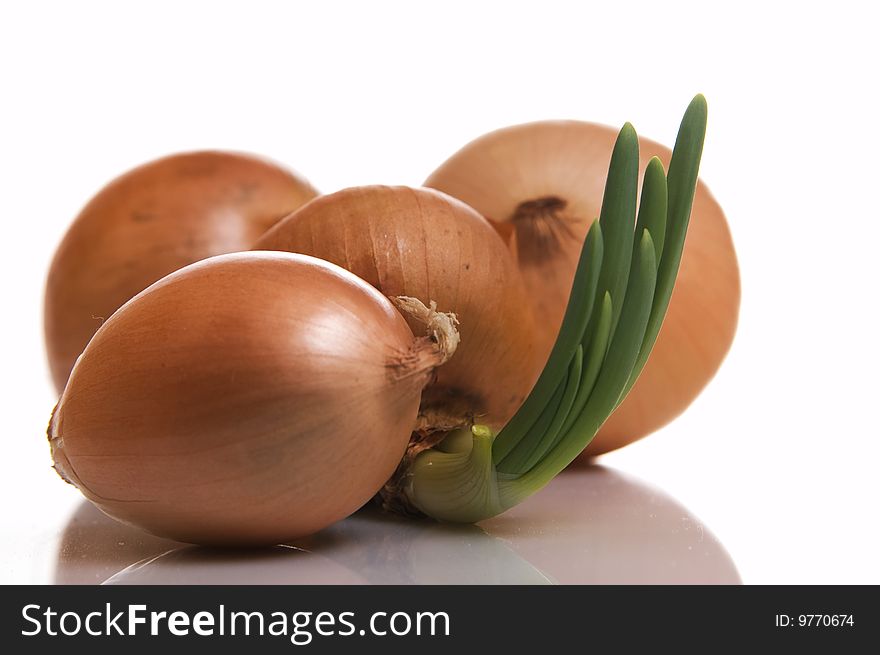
column 540, row 185
column 619, row 297
column 257, row 397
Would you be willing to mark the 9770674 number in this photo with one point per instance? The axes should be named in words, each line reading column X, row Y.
column 815, row 620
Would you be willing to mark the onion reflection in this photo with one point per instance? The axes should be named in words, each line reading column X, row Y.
column 595, row 525
column 590, row 525
column 262, row 566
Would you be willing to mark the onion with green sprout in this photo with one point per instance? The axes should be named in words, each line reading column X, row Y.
column 619, row 297
column 264, row 396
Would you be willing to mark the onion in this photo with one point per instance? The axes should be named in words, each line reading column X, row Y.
column 541, row 185
column 149, row 222
column 424, row 244
column 246, row 399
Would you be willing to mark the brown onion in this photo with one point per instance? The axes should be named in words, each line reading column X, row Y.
column 541, row 185
column 149, row 222
column 246, row 399
column 422, row 243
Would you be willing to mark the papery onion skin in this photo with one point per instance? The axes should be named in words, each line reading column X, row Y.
column 247, row 399
column 425, row 244
column 560, row 167
column 149, row 222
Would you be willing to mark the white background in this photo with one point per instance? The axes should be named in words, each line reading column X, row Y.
column 778, row 457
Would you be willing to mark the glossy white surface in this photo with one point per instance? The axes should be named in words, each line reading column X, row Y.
column 778, row 456
column 594, row 525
